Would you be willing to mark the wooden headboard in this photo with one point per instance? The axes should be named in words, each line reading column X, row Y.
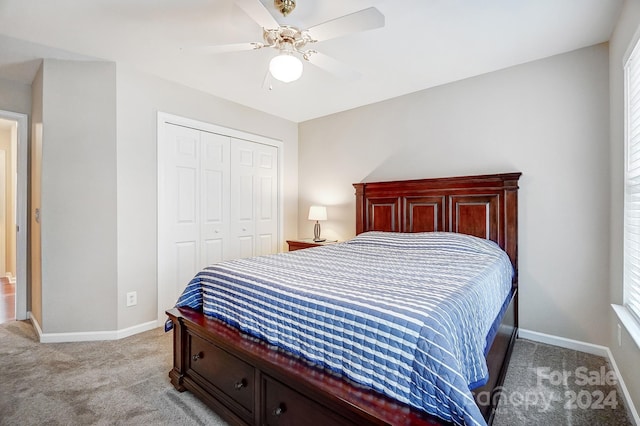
column 485, row 206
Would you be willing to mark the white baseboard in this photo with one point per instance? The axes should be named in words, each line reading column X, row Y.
column 11, row 278
column 90, row 336
column 576, row 345
column 590, row 348
column 625, row 391
column 136, row 329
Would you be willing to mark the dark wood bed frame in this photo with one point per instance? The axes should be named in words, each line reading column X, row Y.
column 247, row 381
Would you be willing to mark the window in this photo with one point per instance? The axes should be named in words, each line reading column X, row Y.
column 632, row 186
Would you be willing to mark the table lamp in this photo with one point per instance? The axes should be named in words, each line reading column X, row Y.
column 317, row 213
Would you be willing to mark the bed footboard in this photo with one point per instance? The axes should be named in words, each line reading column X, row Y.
column 248, row 382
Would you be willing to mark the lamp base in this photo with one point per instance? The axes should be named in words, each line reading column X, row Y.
column 316, row 233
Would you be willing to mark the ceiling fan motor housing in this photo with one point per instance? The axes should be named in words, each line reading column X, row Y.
column 285, row 37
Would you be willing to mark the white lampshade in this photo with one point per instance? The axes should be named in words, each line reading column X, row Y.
column 317, row 213
column 285, row 67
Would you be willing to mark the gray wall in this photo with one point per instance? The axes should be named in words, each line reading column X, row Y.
column 548, row 119
column 78, row 196
column 627, row 355
column 98, row 188
column 15, row 96
column 99, row 185
column 140, row 97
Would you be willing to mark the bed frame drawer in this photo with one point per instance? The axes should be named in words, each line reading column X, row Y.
column 284, row 406
column 303, row 393
column 231, row 378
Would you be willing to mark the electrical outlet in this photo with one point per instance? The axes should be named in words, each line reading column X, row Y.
column 619, row 335
column 132, row 298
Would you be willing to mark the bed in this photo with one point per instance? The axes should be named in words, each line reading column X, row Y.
column 251, row 375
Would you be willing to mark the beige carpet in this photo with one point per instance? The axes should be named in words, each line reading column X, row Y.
column 125, row 382
column 548, row 385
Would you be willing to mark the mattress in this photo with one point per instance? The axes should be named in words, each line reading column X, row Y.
column 408, row 315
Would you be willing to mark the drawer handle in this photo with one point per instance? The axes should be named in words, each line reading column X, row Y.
column 280, row 409
column 239, row 385
column 197, row 356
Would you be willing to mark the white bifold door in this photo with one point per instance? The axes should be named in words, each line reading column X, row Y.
column 217, row 200
column 254, row 203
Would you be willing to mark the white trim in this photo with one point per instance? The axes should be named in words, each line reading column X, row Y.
column 629, row 321
column 631, row 47
column 136, row 329
column 562, row 342
column 627, row 397
column 164, row 117
column 90, row 336
column 21, row 211
column 590, row 348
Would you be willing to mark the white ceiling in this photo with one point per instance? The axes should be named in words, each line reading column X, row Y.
column 424, row 43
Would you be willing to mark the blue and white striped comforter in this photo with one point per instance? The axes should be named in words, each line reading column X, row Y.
column 406, row 314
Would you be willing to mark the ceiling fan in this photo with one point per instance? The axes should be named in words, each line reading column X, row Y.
column 292, row 42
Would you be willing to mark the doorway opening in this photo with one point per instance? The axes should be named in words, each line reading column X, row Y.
column 13, row 230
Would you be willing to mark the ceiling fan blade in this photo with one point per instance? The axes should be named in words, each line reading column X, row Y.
column 267, row 82
column 366, row 19
column 333, row 66
column 258, row 13
column 223, row 48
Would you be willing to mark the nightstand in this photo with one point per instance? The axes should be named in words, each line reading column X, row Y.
column 306, row 243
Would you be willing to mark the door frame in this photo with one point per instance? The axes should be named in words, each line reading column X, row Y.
column 21, row 210
column 161, row 137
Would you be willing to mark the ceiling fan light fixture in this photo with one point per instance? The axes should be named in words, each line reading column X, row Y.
column 285, row 67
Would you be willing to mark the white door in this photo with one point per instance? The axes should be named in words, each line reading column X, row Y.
column 242, row 203
column 218, row 199
column 214, row 237
column 254, row 200
column 267, row 199
column 194, row 207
